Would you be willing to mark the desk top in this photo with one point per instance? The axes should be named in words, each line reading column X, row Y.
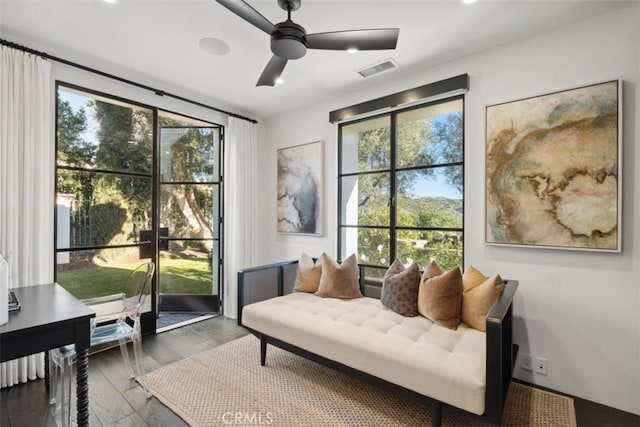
column 44, row 305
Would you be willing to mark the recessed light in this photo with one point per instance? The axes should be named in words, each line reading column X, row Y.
column 214, row 46
column 469, row 1
column 279, row 81
column 111, row 1
column 352, row 49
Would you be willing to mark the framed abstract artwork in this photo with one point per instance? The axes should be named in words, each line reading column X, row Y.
column 553, row 170
column 300, row 189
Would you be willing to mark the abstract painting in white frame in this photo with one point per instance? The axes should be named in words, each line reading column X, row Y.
column 554, row 170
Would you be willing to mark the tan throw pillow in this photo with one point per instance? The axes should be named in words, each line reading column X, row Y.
column 480, row 293
column 432, row 270
column 339, row 280
column 400, row 288
column 440, row 298
column 472, row 277
column 308, row 274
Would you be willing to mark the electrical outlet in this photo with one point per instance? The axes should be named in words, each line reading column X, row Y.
column 526, row 362
column 540, row 365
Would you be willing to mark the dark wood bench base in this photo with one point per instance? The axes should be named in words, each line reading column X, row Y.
column 436, row 406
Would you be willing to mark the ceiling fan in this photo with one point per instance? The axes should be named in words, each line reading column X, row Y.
column 291, row 41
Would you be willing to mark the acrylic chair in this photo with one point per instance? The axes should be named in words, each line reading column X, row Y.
column 120, row 325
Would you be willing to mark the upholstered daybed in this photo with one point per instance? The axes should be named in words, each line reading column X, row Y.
column 462, row 368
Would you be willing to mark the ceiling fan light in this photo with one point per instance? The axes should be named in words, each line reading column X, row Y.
column 288, row 48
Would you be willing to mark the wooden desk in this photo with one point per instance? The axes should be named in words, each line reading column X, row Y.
column 50, row 317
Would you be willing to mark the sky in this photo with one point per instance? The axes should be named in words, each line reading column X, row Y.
column 77, row 102
column 435, row 185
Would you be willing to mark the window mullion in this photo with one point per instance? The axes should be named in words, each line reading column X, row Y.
column 392, row 189
column 339, row 195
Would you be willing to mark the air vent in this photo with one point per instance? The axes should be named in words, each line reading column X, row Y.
column 380, row 67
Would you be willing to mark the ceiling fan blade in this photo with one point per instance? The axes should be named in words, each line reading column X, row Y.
column 272, row 71
column 249, row 14
column 375, row 39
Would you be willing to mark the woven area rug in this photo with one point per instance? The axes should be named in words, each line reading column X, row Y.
column 227, row 385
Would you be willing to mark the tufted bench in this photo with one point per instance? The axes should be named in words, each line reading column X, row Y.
column 448, row 366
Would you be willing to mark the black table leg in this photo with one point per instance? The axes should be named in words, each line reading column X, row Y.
column 47, row 374
column 436, row 413
column 82, row 389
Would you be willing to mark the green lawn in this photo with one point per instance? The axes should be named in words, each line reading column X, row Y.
column 177, row 276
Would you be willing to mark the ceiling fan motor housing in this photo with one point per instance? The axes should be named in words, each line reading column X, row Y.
column 289, row 41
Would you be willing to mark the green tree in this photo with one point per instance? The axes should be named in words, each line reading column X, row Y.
column 188, row 156
column 374, row 244
column 125, row 137
column 374, row 153
column 125, row 145
column 448, row 254
column 435, row 212
column 73, row 150
column 446, row 145
column 425, row 142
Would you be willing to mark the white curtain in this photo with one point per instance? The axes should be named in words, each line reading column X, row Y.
column 26, row 183
column 240, row 180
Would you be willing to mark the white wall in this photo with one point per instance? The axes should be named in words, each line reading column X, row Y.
column 577, row 309
column 293, row 129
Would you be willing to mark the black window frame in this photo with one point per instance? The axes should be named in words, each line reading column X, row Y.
column 393, row 170
column 148, row 318
column 149, row 175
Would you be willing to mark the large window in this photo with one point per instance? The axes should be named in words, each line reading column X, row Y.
column 400, row 186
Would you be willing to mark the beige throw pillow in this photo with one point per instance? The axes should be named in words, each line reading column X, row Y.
column 339, row 280
column 440, row 297
column 400, row 288
column 480, row 293
column 308, row 274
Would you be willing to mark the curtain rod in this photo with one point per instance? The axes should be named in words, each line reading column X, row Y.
column 120, row 79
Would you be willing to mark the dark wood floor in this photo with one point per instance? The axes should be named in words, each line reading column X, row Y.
column 117, row 401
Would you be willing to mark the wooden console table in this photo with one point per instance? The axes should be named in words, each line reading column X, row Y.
column 50, row 317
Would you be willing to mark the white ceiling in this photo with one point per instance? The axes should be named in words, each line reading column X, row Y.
column 155, row 42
